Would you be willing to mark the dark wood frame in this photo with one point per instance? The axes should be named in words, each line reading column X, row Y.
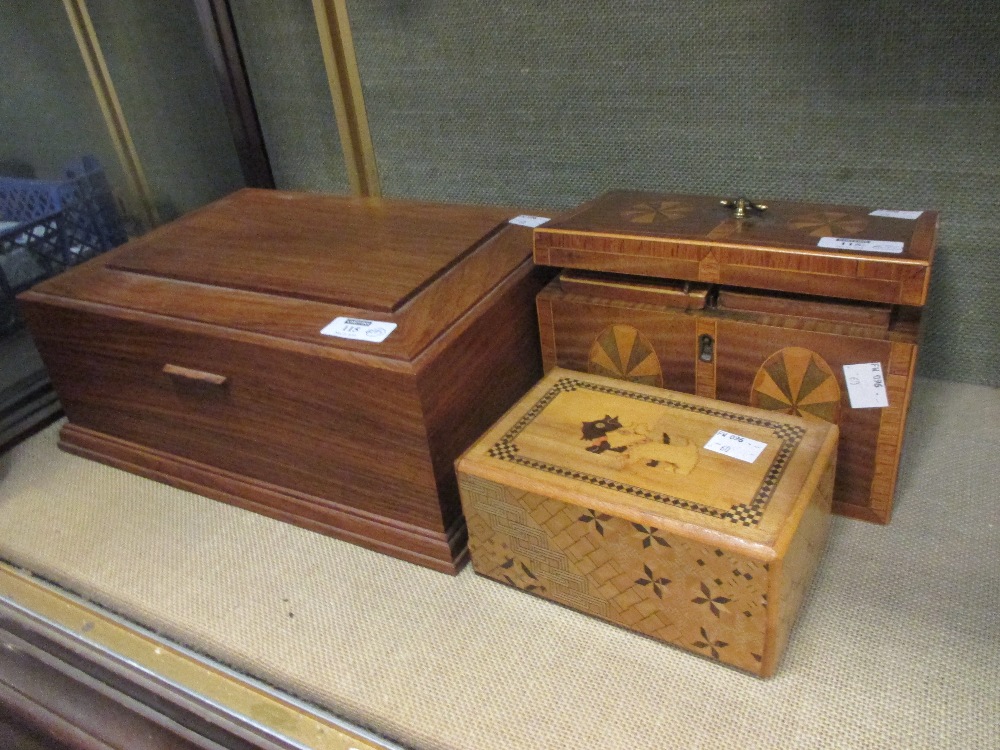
column 223, row 47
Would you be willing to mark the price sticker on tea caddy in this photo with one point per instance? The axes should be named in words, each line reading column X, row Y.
column 865, row 246
column 735, row 446
column 866, row 386
column 359, row 329
column 909, row 215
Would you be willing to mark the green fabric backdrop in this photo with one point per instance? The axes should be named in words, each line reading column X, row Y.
column 890, row 104
column 285, row 65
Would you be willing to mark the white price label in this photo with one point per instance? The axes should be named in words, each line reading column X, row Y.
column 866, row 386
column 359, row 329
column 864, row 246
column 896, row 214
column 529, row 221
column 736, row 446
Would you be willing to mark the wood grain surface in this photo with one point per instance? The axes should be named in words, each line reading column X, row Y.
column 356, row 252
column 695, row 238
column 455, row 291
column 762, row 336
column 816, row 308
column 679, row 294
column 601, row 495
column 195, row 356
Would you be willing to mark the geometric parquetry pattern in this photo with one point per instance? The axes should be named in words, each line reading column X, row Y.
column 745, row 514
column 621, row 351
column 797, row 381
column 701, row 598
column 829, row 223
column 656, row 212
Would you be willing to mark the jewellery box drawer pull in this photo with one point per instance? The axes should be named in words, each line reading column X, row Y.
column 199, row 376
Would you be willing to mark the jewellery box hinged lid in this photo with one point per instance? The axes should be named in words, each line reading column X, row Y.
column 287, row 265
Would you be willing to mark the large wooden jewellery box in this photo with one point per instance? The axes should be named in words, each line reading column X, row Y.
column 804, row 309
column 686, row 519
column 322, row 360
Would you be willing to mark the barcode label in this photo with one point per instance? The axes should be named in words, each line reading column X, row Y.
column 359, row 329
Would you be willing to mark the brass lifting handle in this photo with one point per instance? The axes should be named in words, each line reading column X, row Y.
column 743, row 206
column 196, row 376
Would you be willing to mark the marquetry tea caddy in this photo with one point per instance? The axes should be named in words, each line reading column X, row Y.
column 690, row 520
column 751, row 304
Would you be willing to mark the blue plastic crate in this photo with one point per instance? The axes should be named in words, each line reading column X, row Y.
column 47, row 226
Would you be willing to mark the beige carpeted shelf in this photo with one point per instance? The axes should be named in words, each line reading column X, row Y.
column 898, row 645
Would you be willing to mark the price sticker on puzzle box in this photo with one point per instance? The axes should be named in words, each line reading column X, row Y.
column 359, row 329
column 866, row 386
column 735, row 446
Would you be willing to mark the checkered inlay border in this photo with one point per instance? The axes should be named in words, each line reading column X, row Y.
column 745, row 514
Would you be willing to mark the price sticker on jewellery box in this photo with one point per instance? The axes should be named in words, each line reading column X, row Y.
column 866, row 386
column 735, row 446
column 359, row 329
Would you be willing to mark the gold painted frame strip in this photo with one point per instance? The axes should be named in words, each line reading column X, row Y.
column 114, row 117
column 104, row 632
column 348, row 100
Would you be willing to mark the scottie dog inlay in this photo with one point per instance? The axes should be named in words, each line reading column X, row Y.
column 638, row 444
